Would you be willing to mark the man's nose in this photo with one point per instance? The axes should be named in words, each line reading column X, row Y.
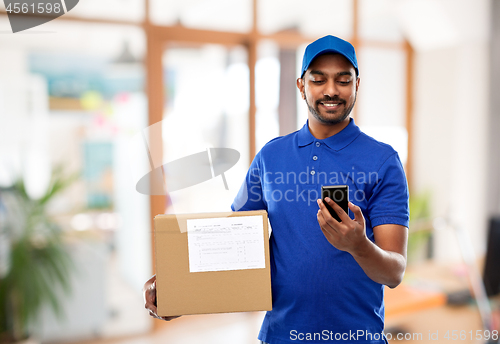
column 331, row 89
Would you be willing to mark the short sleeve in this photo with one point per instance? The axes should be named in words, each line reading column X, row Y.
column 250, row 196
column 388, row 203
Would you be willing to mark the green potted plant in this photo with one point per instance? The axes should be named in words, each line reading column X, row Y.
column 37, row 263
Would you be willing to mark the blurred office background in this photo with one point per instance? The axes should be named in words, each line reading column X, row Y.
column 99, row 97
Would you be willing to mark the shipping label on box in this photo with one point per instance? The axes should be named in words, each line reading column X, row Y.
column 212, row 263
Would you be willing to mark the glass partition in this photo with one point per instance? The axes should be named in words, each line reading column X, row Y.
column 381, row 103
column 207, row 102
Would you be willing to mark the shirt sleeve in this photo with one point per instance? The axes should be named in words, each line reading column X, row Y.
column 250, row 196
column 388, row 203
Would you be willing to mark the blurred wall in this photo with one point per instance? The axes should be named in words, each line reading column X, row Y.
column 451, row 121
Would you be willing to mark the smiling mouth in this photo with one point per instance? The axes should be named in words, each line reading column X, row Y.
column 331, row 105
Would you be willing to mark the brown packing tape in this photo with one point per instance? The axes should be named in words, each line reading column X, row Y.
column 181, row 292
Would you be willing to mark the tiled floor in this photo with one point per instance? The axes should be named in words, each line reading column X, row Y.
column 235, row 328
column 439, row 325
column 242, row 328
column 213, row 329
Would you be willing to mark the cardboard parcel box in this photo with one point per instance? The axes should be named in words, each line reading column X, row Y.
column 212, row 263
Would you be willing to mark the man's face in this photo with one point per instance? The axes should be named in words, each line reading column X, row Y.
column 329, row 87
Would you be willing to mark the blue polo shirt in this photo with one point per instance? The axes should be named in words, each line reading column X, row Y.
column 321, row 294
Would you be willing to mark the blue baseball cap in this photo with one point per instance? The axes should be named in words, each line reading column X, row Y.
column 329, row 44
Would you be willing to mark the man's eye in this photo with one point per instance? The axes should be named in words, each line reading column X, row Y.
column 344, row 82
column 317, row 81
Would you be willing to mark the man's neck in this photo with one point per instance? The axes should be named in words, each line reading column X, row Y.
column 322, row 131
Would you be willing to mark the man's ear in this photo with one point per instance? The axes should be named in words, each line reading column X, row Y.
column 357, row 83
column 300, row 86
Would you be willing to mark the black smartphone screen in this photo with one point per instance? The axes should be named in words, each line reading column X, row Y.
column 339, row 194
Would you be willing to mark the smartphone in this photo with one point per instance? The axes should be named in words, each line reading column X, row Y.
column 337, row 193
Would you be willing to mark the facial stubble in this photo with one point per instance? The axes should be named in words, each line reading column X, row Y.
column 330, row 121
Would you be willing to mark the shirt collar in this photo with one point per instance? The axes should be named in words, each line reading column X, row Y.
column 335, row 142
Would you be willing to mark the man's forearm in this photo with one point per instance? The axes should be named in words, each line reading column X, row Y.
column 384, row 267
